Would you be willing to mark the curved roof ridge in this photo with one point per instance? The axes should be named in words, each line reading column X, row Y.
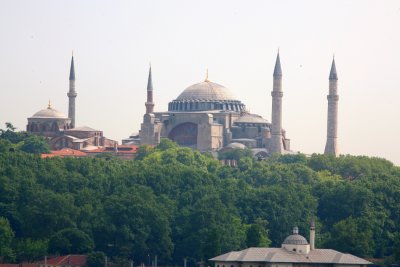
column 206, row 90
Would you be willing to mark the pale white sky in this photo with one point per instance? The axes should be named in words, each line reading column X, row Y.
column 113, row 42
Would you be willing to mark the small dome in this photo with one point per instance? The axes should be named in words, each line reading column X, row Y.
column 295, row 238
column 49, row 113
column 236, row 145
column 251, row 118
column 206, row 91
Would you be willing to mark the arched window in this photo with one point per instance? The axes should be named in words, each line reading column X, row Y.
column 185, row 134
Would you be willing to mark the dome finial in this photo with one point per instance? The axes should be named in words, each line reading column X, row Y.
column 206, row 79
column 49, row 105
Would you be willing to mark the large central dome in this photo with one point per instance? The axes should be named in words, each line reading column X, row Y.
column 206, row 96
column 206, row 91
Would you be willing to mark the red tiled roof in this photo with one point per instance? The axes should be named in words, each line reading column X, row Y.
column 19, row 265
column 75, row 260
column 65, row 152
column 122, row 149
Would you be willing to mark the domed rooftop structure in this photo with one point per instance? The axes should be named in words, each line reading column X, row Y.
column 49, row 112
column 48, row 122
column 206, row 96
column 235, row 145
column 295, row 238
column 251, row 118
column 206, row 91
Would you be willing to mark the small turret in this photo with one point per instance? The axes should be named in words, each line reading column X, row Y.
column 312, row 235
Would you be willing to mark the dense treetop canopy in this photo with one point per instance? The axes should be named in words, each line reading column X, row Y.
column 177, row 203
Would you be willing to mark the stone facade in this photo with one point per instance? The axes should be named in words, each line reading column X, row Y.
column 207, row 117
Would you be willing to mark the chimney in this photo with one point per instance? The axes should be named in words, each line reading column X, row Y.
column 312, row 235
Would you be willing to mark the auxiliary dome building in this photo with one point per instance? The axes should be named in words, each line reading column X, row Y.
column 294, row 252
column 207, row 116
column 60, row 129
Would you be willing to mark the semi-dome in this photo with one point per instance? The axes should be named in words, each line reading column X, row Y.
column 49, row 113
column 206, row 91
column 251, row 118
column 206, row 96
column 295, row 238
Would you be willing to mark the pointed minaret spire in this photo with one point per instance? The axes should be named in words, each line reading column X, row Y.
column 331, row 146
column 149, row 103
column 276, row 144
column 72, row 69
column 277, row 69
column 149, row 81
column 333, row 73
column 72, row 93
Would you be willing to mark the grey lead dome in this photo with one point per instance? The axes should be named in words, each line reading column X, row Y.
column 206, row 96
column 295, row 239
column 206, row 91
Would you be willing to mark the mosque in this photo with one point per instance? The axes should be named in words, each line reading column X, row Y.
column 294, row 252
column 206, row 116
column 60, row 129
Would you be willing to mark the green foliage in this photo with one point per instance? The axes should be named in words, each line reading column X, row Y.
column 95, row 259
column 174, row 202
column 6, row 237
column 70, row 241
column 11, row 140
column 257, row 234
column 353, row 236
column 236, row 153
column 35, row 144
column 31, row 250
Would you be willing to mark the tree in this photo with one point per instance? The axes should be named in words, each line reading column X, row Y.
column 6, row 237
column 35, row 144
column 11, row 135
column 257, row 234
column 70, row 241
column 353, row 236
column 165, row 144
column 31, row 250
column 95, row 259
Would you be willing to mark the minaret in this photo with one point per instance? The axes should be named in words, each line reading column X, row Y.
column 149, row 103
column 333, row 98
column 277, row 94
column 72, row 94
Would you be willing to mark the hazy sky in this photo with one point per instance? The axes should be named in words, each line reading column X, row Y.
column 114, row 41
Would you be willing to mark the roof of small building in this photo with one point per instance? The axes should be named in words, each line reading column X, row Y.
column 283, row 255
column 206, row 91
column 73, row 260
column 82, row 129
column 65, row 152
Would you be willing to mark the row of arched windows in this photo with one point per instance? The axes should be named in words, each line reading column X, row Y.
column 197, row 106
